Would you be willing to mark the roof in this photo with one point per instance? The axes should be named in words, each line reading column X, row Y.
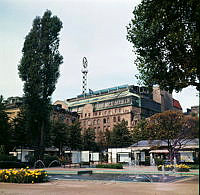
column 177, row 104
column 95, row 99
column 147, row 143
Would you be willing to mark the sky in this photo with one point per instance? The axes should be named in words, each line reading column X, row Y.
column 95, row 29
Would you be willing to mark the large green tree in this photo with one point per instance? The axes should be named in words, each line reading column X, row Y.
column 60, row 135
column 39, row 69
column 4, row 128
column 166, row 39
column 120, row 136
column 75, row 141
column 89, row 139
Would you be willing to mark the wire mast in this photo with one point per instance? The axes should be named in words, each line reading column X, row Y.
column 84, row 71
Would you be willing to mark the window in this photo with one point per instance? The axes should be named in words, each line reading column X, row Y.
column 104, row 120
column 118, row 118
column 85, row 114
column 98, row 121
column 114, row 119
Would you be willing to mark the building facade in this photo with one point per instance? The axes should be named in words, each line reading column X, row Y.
column 104, row 108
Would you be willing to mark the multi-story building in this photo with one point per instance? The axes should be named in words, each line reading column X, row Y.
column 12, row 105
column 104, row 108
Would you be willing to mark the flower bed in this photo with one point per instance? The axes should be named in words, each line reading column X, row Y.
column 166, row 167
column 23, row 176
column 178, row 168
column 182, row 168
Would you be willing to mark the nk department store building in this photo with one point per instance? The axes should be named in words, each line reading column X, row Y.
column 104, row 108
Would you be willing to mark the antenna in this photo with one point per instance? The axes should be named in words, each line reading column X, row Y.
column 84, row 71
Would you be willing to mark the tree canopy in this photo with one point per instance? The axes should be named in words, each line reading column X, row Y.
column 4, row 127
column 39, row 69
column 120, row 136
column 165, row 36
column 172, row 127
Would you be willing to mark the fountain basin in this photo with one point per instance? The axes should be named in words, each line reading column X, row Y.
column 151, row 178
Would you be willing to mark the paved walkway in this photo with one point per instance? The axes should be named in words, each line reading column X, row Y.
column 127, row 170
column 187, row 186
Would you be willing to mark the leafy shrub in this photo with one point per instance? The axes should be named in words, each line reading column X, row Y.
column 147, row 161
column 182, row 168
column 11, row 164
column 4, row 157
column 48, row 159
column 110, row 166
column 23, row 176
column 159, row 161
column 194, row 166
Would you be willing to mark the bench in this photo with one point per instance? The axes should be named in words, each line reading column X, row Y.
column 84, row 172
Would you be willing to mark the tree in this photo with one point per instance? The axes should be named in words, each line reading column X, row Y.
column 120, row 136
column 165, row 37
column 20, row 135
column 103, row 141
column 75, row 141
column 39, row 69
column 60, row 135
column 4, row 128
column 173, row 128
column 140, row 131
column 89, row 140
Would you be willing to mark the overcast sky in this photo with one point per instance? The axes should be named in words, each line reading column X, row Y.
column 95, row 29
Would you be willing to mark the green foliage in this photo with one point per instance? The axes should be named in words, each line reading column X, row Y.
column 194, row 166
column 60, row 135
column 172, row 127
column 75, row 141
column 48, row 159
column 4, row 157
column 20, row 135
column 140, row 131
column 89, row 140
column 39, row 69
column 165, row 37
column 159, row 161
column 4, row 128
column 11, row 164
column 120, row 136
column 110, row 166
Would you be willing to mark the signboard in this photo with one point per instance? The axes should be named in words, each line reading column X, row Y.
column 76, row 157
column 85, row 156
column 95, row 156
column 186, row 157
column 142, row 159
column 123, row 157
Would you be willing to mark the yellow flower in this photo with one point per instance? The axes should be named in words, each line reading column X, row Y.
column 32, row 181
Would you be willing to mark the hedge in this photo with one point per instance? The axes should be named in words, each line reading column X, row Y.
column 110, row 166
column 11, row 164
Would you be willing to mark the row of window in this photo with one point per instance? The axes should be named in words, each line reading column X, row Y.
column 98, row 121
column 112, row 103
column 105, row 113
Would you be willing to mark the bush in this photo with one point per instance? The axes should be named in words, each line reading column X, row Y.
column 4, row 157
column 147, row 161
column 23, row 176
column 11, row 164
column 182, row 168
column 48, row 159
column 194, row 166
column 159, row 161
column 110, row 166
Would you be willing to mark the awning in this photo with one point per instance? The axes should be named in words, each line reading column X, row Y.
column 159, row 151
